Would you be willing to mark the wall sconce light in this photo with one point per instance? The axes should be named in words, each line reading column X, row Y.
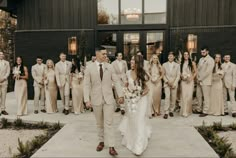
column 72, row 46
column 192, row 43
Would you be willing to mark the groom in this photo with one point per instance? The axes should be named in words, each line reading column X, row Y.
column 98, row 80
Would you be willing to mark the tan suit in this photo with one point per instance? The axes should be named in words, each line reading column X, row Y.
column 229, row 81
column 171, row 74
column 62, row 71
column 205, row 69
column 99, row 92
column 37, row 72
column 4, row 73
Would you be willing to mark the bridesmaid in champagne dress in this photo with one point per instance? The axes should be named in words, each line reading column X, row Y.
column 216, row 100
column 188, row 73
column 156, row 75
column 20, row 75
column 50, row 87
column 77, row 86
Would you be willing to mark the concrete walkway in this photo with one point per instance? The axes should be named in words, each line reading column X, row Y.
column 175, row 137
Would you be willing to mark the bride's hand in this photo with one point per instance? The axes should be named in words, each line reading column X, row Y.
column 145, row 91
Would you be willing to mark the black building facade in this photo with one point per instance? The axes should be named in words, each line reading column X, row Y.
column 44, row 26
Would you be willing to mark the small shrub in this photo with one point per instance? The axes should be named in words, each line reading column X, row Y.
column 18, row 123
column 4, row 123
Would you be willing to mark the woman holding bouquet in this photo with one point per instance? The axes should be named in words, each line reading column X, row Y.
column 134, row 127
column 156, row 75
column 20, row 75
column 77, row 76
column 50, row 87
column 188, row 73
column 216, row 99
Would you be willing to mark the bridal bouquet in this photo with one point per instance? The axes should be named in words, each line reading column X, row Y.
column 132, row 96
column 16, row 72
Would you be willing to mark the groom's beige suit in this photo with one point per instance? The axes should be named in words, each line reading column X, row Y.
column 99, row 93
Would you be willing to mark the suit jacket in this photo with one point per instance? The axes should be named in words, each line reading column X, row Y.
column 62, row 75
column 95, row 89
column 205, row 69
column 37, row 74
column 4, row 71
column 120, row 73
column 171, row 75
column 230, row 75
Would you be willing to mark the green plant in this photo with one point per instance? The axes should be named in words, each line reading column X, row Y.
column 4, row 123
column 220, row 145
column 18, row 123
column 24, row 149
column 233, row 126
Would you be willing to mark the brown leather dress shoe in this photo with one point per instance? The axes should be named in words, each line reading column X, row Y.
column 66, row 112
column 112, row 151
column 165, row 116
column 171, row 114
column 100, row 146
column 233, row 114
column 117, row 110
column 203, row 115
column 43, row 110
column 4, row 112
column 36, row 111
column 122, row 112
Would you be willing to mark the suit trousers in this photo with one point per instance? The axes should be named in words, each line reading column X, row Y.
column 39, row 93
column 170, row 99
column 231, row 98
column 104, row 117
column 203, row 92
column 65, row 95
column 3, row 93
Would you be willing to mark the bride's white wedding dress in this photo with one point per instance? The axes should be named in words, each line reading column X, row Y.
column 134, row 126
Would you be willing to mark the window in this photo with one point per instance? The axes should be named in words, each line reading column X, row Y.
column 131, row 12
column 152, row 39
column 108, row 11
column 154, row 11
column 131, row 45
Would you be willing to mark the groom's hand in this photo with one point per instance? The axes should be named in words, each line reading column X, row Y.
column 88, row 104
column 121, row 100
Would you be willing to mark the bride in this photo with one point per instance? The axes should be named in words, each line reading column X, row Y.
column 134, row 127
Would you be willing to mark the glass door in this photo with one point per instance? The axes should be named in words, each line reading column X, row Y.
column 131, row 44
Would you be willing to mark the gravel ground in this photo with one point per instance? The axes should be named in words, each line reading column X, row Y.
column 231, row 136
column 9, row 140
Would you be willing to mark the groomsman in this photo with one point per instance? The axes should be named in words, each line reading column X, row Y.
column 91, row 61
column 120, row 67
column 37, row 72
column 229, row 81
column 4, row 73
column 171, row 79
column 204, row 79
column 62, row 70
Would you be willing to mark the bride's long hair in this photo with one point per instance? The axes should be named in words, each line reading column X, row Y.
column 142, row 76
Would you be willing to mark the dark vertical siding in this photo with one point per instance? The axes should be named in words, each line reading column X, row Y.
column 56, row 14
column 202, row 12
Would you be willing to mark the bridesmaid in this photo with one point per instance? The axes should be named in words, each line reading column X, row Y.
column 188, row 73
column 216, row 100
column 20, row 75
column 50, row 87
column 77, row 86
column 156, row 75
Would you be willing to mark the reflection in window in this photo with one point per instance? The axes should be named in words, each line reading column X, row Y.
column 131, row 45
column 108, row 11
column 152, row 39
column 154, row 11
column 131, row 12
column 108, row 40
